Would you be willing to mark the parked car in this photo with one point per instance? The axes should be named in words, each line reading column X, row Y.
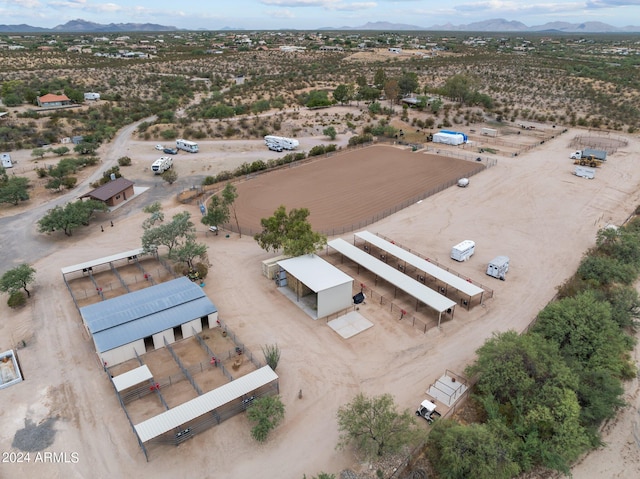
column 159, row 147
column 171, row 151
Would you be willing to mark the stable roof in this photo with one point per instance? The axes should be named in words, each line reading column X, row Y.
column 431, row 269
column 182, row 414
column 140, row 314
column 97, row 262
column 314, row 272
column 400, row 280
column 131, row 378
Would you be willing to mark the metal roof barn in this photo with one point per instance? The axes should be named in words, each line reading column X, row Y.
column 450, row 279
column 140, row 314
column 332, row 288
column 182, row 414
column 398, row 279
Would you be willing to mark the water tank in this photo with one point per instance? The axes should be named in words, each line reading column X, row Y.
column 113, row 176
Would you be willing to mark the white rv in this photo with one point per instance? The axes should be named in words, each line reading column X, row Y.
column 463, row 251
column 186, row 145
column 498, row 267
column 162, row 164
column 280, row 143
column 92, row 96
column 6, row 160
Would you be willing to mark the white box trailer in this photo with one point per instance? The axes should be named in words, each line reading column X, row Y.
column 463, row 251
column 498, row 267
column 281, row 142
column 585, row 172
column 186, row 145
column 6, row 160
column 162, row 164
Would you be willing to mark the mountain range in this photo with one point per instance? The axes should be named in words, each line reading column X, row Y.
column 493, row 25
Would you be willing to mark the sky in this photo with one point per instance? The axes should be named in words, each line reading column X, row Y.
column 314, row 14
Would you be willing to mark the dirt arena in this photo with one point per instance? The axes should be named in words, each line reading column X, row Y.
column 356, row 187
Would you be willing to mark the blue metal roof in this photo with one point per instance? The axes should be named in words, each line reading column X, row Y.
column 133, row 316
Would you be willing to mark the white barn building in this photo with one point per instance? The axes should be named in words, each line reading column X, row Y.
column 141, row 321
column 310, row 277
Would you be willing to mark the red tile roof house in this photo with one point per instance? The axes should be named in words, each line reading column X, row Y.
column 50, row 100
column 113, row 193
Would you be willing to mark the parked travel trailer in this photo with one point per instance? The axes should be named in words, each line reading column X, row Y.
column 92, row 96
column 161, row 165
column 275, row 142
column 498, row 267
column 186, row 145
column 585, row 172
column 463, row 251
column 6, row 160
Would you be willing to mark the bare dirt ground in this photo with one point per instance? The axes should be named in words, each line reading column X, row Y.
column 530, row 207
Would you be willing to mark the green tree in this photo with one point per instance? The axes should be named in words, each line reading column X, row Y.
column 172, row 234
column 189, row 251
column 38, row 152
column 217, row 212
column 408, row 83
column 17, row 278
column 155, row 210
column 266, row 413
column 605, row 270
column 86, row 148
column 524, row 383
column 70, row 217
column 459, row 88
column 379, row 79
column 582, row 329
column 14, row 189
column 229, row 197
column 460, row 452
column 341, row 94
column 330, row 131
column 375, row 426
column 290, row 232
column 170, row 176
column 60, row 151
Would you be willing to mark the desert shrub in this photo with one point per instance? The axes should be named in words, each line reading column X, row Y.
column 202, row 270
column 17, row 299
column 169, row 134
column 124, row 161
column 209, row 180
column 317, row 150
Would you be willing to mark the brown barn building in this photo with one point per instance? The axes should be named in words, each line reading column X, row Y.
column 113, row 193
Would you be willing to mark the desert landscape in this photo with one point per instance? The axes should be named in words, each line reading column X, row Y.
column 511, row 208
column 523, row 200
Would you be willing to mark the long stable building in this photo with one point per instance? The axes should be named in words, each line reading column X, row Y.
column 142, row 320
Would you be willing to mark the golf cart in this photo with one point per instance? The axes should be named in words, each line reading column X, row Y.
column 428, row 411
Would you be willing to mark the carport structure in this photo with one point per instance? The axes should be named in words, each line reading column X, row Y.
column 199, row 414
column 331, row 287
column 399, row 280
column 467, row 290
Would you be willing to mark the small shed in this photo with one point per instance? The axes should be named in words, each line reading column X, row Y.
column 311, row 275
column 113, row 193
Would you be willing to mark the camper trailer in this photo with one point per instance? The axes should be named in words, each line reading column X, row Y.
column 92, row 96
column 186, row 145
column 585, row 172
column 463, row 251
column 6, row 160
column 161, row 165
column 498, row 267
column 280, row 142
